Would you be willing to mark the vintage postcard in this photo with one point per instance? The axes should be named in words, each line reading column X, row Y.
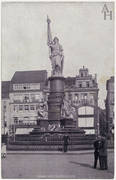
column 57, row 99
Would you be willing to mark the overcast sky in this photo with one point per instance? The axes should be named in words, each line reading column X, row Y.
column 87, row 39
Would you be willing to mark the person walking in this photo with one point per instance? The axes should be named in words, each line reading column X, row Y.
column 96, row 150
column 103, row 154
column 65, row 142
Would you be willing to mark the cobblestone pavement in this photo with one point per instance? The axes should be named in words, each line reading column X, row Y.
column 56, row 165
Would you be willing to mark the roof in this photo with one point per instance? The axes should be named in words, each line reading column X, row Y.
column 29, row 76
column 69, row 81
column 5, row 89
column 111, row 80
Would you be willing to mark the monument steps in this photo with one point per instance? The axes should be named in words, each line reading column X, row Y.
column 50, row 142
column 48, row 147
column 45, row 141
column 36, row 138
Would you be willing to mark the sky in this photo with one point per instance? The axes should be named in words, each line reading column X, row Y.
column 87, row 39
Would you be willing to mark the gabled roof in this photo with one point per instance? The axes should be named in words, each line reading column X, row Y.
column 5, row 89
column 29, row 76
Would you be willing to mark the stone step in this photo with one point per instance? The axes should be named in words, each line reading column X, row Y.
column 50, row 142
column 46, row 147
column 50, row 136
column 53, row 139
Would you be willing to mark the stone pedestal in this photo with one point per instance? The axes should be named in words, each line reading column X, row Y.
column 55, row 99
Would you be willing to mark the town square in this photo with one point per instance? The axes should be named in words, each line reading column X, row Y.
column 57, row 105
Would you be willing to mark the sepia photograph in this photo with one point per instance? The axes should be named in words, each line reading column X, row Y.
column 57, row 90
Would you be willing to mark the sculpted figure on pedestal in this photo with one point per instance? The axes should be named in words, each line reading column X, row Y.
column 56, row 53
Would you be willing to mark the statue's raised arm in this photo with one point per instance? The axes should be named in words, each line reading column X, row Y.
column 49, row 31
column 56, row 52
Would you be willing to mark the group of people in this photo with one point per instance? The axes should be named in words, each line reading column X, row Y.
column 100, row 153
column 100, row 150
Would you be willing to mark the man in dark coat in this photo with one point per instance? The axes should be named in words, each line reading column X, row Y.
column 65, row 142
column 96, row 150
column 103, row 154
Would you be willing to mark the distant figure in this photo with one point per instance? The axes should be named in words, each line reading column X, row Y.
column 96, row 150
column 103, row 154
column 65, row 142
column 3, row 150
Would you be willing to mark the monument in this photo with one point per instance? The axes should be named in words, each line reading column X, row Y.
column 55, row 98
column 55, row 117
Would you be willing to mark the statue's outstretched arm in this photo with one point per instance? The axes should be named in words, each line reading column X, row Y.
column 49, row 41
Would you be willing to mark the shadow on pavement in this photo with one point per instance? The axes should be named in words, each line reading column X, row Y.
column 82, row 164
column 89, row 166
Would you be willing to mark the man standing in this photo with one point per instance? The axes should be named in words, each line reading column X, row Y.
column 96, row 152
column 65, row 142
column 103, row 154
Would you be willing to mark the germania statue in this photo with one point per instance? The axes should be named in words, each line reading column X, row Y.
column 56, row 52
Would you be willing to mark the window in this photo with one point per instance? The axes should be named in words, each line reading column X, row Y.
column 84, row 110
column 81, row 74
column 89, row 131
column 16, row 120
column 32, row 97
column 85, row 73
column 26, row 107
column 39, row 96
column 4, row 107
column 87, row 84
column 37, row 107
column 91, row 101
column 86, row 122
column 80, row 85
column 20, row 121
column 20, row 107
column 5, row 124
column 26, row 120
column 76, row 97
column 70, row 96
column 21, row 86
column 26, row 86
column 26, row 98
column 32, row 107
column 85, row 96
column 35, row 86
column 15, row 108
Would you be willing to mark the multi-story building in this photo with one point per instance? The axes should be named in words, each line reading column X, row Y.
column 82, row 91
column 5, row 108
column 110, row 103
column 27, row 97
column 29, row 91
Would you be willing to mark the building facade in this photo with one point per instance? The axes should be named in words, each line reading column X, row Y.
column 82, row 91
column 110, row 103
column 28, row 96
column 5, row 106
